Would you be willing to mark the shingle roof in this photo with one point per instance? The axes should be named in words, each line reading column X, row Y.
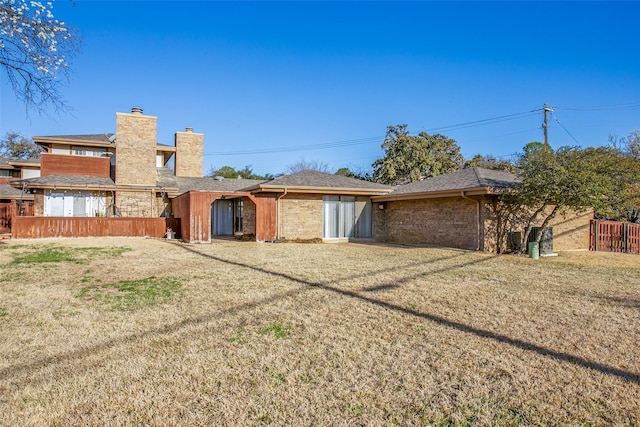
column 186, row 184
column 68, row 181
column 460, row 180
column 9, row 192
column 4, row 162
column 97, row 137
column 320, row 180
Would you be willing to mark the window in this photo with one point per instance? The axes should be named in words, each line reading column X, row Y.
column 94, row 152
column 8, row 173
column 346, row 217
column 238, row 210
column 74, row 203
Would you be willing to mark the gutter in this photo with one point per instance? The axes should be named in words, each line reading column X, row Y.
column 477, row 218
column 279, row 229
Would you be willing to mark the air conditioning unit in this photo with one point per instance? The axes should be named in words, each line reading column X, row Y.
column 546, row 242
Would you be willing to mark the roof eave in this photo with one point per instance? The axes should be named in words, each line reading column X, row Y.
column 45, row 141
column 319, row 190
column 474, row 191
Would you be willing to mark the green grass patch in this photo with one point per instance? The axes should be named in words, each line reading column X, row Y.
column 3, row 312
column 51, row 254
column 132, row 294
column 277, row 329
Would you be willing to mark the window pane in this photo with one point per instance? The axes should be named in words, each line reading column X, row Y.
column 363, row 217
column 347, row 216
column 330, row 217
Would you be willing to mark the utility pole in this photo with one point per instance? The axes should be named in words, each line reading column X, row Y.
column 545, row 125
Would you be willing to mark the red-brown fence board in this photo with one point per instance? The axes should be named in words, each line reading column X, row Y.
column 613, row 236
column 43, row 227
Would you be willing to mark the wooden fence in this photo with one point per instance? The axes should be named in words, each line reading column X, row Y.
column 24, row 227
column 613, row 236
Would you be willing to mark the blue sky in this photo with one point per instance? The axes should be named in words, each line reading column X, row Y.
column 264, row 81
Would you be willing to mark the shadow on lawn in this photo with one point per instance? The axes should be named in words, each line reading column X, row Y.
column 73, row 356
column 579, row 361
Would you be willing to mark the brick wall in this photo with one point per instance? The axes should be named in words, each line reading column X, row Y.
column 571, row 231
column 136, row 149
column 249, row 219
column 450, row 222
column 300, row 216
column 189, row 153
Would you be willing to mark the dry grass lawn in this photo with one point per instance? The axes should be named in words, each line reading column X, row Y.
column 160, row 333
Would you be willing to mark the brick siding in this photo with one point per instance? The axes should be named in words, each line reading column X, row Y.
column 448, row 222
column 300, row 216
column 136, row 149
column 189, row 153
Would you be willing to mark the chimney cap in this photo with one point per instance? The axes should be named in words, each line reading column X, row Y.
column 189, row 129
column 136, row 110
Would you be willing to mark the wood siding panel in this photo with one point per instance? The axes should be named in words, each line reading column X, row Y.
column 180, row 207
column 266, row 228
column 44, row 227
column 59, row 164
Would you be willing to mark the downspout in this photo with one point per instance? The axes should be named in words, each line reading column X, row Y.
column 279, row 229
column 477, row 218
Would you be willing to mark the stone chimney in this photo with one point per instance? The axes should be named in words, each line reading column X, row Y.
column 136, row 140
column 189, row 153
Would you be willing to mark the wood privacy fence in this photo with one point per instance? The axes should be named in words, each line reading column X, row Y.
column 613, row 236
column 24, row 227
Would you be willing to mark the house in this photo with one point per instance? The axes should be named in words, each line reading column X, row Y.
column 460, row 210
column 15, row 201
column 87, row 183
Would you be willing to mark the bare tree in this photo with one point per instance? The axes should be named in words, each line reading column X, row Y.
column 35, row 50
column 14, row 145
column 302, row 164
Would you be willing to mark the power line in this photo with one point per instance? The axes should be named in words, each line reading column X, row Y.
column 369, row 140
column 616, row 107
column 565, row 129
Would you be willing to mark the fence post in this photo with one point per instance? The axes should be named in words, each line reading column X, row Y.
column 596, row 228
column 625, row 236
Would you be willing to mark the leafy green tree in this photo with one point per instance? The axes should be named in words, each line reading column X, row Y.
column 14, row 145
column 231, row 172
column 410, row 158
column 489, row 162
column 345, row 172
column 552, row 183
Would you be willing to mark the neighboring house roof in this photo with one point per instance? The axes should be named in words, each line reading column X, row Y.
column 70, row 182
column 10, row 163
column 4, row 163
column 471, row 181
column 9, row 192
column 309, row 181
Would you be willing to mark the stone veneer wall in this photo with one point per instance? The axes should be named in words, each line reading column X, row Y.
column 300, row 217
column 189, row 153
column 38, row 202
column 137, row 204
column 136, row 148
column 448, row 222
